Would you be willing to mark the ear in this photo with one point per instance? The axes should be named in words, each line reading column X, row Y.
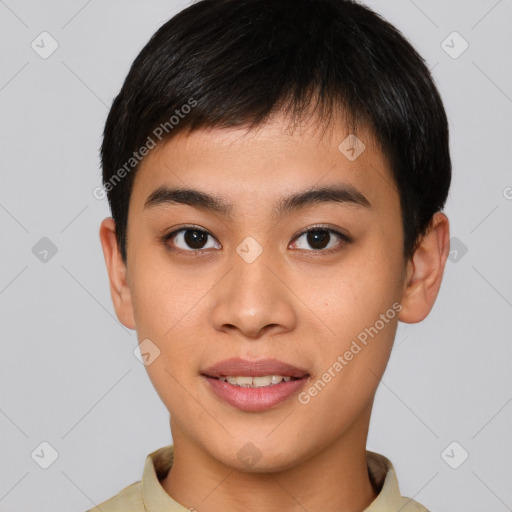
column 117, row 273
column 425, row 271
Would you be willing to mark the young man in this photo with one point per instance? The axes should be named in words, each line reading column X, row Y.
column 276, row 171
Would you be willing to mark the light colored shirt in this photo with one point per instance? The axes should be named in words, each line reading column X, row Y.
column 148, row 495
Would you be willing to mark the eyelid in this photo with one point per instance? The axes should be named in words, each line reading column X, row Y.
column 321, row 227
column 185, row 227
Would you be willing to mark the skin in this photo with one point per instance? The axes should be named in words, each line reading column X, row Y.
column 293, row 303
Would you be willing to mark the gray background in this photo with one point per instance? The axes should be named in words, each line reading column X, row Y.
column 68, row 375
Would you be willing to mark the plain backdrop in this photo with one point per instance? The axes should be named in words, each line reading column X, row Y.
column 68, row 375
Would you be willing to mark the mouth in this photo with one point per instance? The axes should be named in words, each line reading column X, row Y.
column 254, row 386
column 255, row 382
column 264, row 368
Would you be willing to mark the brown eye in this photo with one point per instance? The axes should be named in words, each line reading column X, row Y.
column 319, row 239
column 195, row 239
column 191, row 239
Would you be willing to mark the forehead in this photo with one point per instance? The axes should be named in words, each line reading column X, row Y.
column 259, row 165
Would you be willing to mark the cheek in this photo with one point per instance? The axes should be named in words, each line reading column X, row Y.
column 352, row 296
column 347, row 376
column 168, row 310
column 166, row 298
column 359, row 303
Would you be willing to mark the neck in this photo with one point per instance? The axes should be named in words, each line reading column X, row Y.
column 334, row 478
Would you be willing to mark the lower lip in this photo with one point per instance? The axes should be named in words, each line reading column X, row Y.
column 255, row 399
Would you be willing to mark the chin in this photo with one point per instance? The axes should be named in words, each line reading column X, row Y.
column 259, row 457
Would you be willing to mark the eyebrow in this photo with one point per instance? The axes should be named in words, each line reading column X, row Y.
column 342, row 193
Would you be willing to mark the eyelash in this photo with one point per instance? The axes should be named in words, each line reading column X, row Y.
column 197, row 252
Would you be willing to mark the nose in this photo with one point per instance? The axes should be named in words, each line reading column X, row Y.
column 253, row 301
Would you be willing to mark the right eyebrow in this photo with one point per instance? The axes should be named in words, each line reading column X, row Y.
column 196, row 198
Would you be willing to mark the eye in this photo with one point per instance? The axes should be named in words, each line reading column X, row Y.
column 321, row 239
column 194, row 239
column 190, row 239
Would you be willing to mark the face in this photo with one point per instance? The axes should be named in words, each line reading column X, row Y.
column 314, row 282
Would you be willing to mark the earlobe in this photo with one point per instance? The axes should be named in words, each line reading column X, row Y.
column 117, row 273
column 425, row 271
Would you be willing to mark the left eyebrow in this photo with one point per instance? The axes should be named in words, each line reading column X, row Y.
column 343, row 193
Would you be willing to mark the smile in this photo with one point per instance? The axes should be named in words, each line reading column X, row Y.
column 256, row 382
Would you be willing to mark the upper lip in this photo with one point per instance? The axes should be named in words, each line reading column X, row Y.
column 256, row 368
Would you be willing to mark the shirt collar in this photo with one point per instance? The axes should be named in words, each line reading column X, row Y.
column 159, row 462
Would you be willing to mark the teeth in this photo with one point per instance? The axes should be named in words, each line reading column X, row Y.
column 255, row 382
